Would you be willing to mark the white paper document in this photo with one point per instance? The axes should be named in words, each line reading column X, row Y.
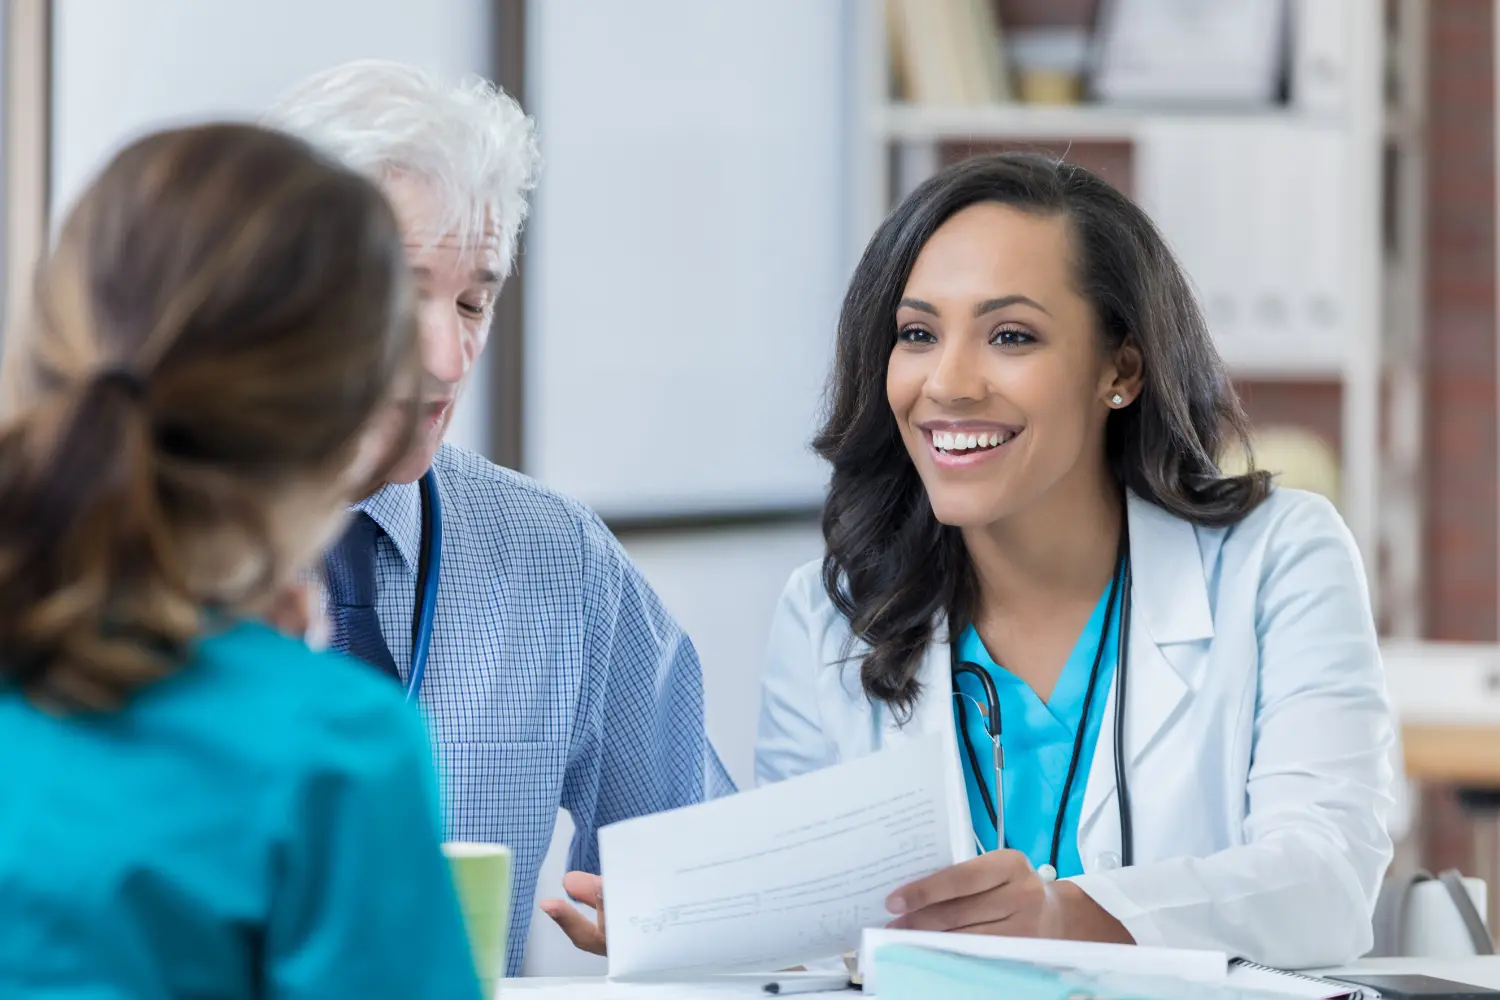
column 706, row 988
column 783, row 874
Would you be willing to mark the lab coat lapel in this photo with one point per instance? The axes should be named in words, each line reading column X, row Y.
column 933, row 712
column 1170, row 619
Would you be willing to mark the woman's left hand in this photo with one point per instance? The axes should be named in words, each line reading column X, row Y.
column 1000, row 893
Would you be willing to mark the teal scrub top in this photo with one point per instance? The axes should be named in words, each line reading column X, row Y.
column 1038, row 738
column 263, row 823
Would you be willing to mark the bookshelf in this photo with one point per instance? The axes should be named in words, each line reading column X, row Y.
column 1373, row 131
column 904, row 122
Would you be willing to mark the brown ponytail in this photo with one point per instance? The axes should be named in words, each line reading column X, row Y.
column 224, row 315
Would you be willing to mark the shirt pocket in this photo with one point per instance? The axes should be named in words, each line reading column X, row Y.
column 502, row 792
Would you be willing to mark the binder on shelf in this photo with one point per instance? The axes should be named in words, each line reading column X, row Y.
column 1320, row 56
column 1255, row 211
column 1157, row 52
column 947, row 52
column 1322, row 248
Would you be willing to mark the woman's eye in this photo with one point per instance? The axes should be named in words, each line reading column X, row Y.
column 915, row 335
column 470, row 309
column 1010, row 336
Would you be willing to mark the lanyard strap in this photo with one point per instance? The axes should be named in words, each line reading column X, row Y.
column 1088, row 699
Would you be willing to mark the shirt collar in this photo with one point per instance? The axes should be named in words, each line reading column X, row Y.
column 397, row 508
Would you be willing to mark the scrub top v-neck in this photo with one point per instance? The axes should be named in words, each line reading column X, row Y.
column 1038, row 738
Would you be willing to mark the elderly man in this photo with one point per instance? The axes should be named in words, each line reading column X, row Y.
column 553, row 677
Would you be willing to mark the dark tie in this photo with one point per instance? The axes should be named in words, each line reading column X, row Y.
column 350, row 566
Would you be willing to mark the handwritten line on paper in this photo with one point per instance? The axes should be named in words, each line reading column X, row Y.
column 781, row 874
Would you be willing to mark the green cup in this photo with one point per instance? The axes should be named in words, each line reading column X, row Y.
column 481, row 874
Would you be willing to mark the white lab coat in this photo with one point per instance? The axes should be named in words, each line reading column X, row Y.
column 1257, row 730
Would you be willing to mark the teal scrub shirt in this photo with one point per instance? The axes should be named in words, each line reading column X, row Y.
column 1038, row 738
column 264, row 823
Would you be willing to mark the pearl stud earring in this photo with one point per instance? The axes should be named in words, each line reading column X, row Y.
column 1117, row 399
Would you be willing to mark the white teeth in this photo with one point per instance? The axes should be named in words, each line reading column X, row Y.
column 957, row 442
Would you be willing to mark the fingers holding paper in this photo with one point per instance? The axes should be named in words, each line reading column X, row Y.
column 995, row 893
column 1000, row 893
column 586, row 935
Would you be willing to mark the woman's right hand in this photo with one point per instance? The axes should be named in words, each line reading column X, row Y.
column 586, row 935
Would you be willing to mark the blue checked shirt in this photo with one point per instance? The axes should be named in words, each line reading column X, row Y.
column 555, row 676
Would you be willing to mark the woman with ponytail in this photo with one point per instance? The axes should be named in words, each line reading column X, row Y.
column 195, row 804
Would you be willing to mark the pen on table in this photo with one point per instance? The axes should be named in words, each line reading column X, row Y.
column 808, row 984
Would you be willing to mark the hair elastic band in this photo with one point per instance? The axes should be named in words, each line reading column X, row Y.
column 122, row 379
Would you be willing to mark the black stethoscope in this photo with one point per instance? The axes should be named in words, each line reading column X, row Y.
column 995, row 807
column 429, row 571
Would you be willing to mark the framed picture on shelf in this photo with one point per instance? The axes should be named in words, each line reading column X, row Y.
column 1181, row 53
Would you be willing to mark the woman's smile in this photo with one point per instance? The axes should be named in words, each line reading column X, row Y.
column 962, row 445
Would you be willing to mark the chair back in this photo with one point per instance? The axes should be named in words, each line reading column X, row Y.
column 1425, row 916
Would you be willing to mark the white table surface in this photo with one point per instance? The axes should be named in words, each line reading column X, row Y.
column 1478, row 971
column 1475, row 971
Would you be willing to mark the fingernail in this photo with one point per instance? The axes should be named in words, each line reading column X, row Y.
column 896, row 903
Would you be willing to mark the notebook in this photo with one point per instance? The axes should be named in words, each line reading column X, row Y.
column 913, row 973
column 1208, row 968
column 1248, row 975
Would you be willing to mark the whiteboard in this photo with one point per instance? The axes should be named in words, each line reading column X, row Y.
column 687, row 254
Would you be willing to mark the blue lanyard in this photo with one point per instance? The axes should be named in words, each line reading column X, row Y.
column 429, row 571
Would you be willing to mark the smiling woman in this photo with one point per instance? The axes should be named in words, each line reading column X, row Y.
column 1027, row 523
column 1026, row 295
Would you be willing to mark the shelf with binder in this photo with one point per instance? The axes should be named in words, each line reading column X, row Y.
column 908, row 122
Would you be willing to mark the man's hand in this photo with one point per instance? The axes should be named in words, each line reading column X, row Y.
column 1000, row 893
column 586, row 935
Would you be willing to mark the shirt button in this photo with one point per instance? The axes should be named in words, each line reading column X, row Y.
column 1106, row 861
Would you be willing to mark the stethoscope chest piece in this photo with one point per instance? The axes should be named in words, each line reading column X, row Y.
column 1047, row 873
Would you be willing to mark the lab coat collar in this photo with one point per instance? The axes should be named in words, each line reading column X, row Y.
column 1170, row 593
column 1170, row 624
column 1169, row 599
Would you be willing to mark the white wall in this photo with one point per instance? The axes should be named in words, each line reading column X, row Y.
column 4, row 269
column 687, row 254
column 123, row 67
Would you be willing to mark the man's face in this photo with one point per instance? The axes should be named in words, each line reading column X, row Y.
column 456, row 292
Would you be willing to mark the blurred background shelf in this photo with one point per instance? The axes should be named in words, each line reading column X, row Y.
column 1294, row 198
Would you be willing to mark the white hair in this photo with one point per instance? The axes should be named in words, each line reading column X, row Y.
column 472, row 141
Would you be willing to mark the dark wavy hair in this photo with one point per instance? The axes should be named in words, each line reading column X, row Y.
column 891, row 568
